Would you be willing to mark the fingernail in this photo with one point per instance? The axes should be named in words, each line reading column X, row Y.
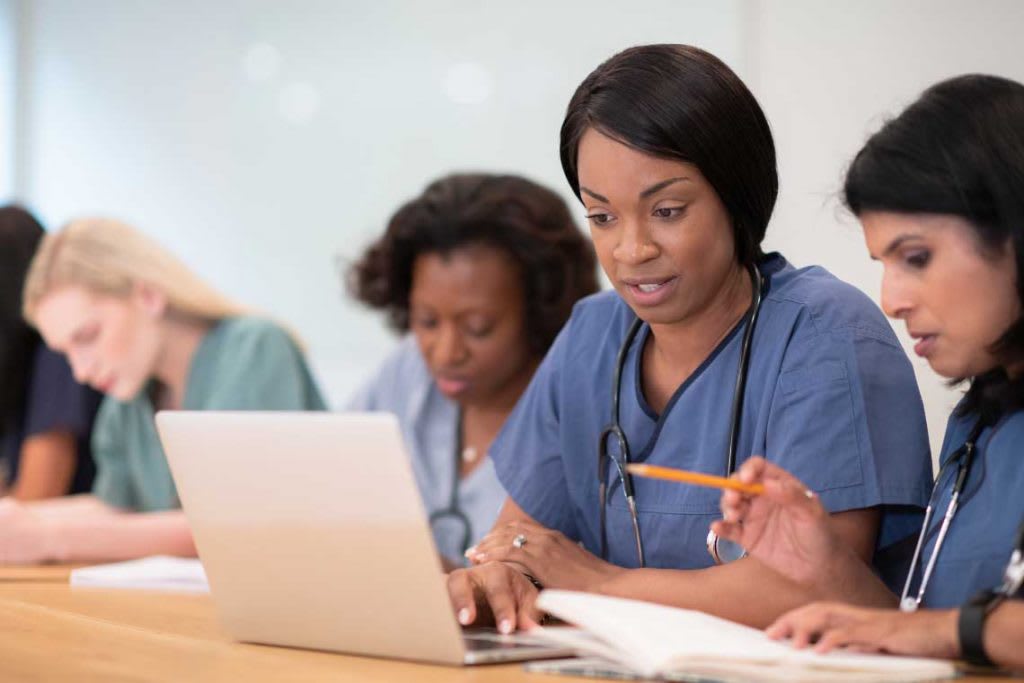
column 480, row 557
column 469, row 551
column 505, row 626
column 464, row 616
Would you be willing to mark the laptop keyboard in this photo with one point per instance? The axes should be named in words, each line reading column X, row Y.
column 483, row 641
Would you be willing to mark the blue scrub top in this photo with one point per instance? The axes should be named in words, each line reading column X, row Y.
column 830, row 396
column 404, row 386
column 980, row 537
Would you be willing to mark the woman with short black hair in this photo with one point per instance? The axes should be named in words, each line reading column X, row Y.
column 707, row 352
column 483, row 270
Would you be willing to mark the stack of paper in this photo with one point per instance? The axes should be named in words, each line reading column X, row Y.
column 159, row 573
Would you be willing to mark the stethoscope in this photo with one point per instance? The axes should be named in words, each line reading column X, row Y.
column 452, row 511
column 963, row 458
column 721, row 550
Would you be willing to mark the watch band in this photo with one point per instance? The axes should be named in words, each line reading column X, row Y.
column 971, row 627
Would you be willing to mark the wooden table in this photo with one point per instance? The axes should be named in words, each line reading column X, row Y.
column 51, row 632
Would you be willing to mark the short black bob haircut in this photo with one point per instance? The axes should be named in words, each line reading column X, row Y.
column 680, row 102
column 529, row 222
column 958, row 150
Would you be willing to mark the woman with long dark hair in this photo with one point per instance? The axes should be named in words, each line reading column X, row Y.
column 939, row 191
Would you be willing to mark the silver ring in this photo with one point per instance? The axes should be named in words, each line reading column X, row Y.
column 519, row 541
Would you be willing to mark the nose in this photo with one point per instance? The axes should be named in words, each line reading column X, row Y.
column 897, row 300
column 449, row 349
column 635, row 245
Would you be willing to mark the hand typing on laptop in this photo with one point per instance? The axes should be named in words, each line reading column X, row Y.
column 494, row 593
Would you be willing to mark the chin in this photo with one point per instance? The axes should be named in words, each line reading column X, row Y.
column 124, row 393
column 953, row 368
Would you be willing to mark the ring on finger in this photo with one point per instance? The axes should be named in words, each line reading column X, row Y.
column 519, row 541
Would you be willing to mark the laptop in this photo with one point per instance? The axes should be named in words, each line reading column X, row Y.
column 313, row 535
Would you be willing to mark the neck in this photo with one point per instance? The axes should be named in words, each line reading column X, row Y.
column 501, row 403
column 688, row 342
column 181, row 338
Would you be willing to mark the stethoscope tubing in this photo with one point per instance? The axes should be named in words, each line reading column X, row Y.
column 615, row 430
column 964, row 460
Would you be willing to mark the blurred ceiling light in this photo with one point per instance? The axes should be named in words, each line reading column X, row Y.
column 468, row 83
column 262, row 62
column 299, row 102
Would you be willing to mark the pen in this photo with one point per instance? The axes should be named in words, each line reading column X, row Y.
column 672, row 474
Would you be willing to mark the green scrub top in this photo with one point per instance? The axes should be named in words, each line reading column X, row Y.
column 242, row 363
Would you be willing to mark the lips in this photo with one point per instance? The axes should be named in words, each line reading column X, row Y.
column 925, row 344
column 106, row 384
column 645, row 292
column 452, row 386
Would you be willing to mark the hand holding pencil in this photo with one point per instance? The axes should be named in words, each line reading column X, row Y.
column 778, row 520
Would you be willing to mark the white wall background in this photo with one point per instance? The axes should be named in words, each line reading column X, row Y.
column 828, row 75
column 263, row 141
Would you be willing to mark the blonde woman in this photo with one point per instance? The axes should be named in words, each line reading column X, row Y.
column 139, row 326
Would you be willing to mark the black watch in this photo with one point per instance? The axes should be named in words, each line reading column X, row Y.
column 971, row 627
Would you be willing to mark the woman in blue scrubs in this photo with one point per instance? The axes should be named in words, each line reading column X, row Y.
column 940, row 194
column 674, row 163
column 482, row 270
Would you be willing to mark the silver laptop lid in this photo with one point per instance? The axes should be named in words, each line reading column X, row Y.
column 312, row 531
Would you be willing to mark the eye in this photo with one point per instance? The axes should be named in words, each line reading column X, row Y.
column 479, row 331
column 86, row 335
column 918, row 259
column 424, row 322
column 669, row 212
column 599, row 218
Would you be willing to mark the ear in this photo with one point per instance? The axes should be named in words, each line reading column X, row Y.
column 149, row 299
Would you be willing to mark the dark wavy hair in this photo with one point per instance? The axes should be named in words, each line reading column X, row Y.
column 20, row 234
column 958, row 150
column 527, row 221
column 680, row 102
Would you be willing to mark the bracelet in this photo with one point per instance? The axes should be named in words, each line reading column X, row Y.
column 971, row 627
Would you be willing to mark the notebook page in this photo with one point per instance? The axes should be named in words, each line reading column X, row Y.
column 654, row 638
column 159, row 572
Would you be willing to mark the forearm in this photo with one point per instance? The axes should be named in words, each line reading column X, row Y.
column 847, row 578
column 46, row 466
column 69, row 507
column 1004, row 635
column 744, row 591
column 110, row 535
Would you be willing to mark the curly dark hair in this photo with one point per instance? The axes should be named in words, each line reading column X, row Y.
column 529, row 222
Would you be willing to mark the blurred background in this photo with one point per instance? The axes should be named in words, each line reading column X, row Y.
column 267, row 142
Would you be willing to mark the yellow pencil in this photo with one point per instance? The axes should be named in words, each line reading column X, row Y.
column 672, row 474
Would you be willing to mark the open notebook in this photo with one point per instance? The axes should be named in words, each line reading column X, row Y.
column 653, row 641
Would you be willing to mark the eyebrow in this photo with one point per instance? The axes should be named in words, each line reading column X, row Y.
column 896, row 244
column 658, row 187
column 644, row 194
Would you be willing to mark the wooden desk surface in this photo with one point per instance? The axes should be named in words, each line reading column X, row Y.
column 52, row 632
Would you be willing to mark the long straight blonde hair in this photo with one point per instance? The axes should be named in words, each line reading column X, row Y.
column 109, row 257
